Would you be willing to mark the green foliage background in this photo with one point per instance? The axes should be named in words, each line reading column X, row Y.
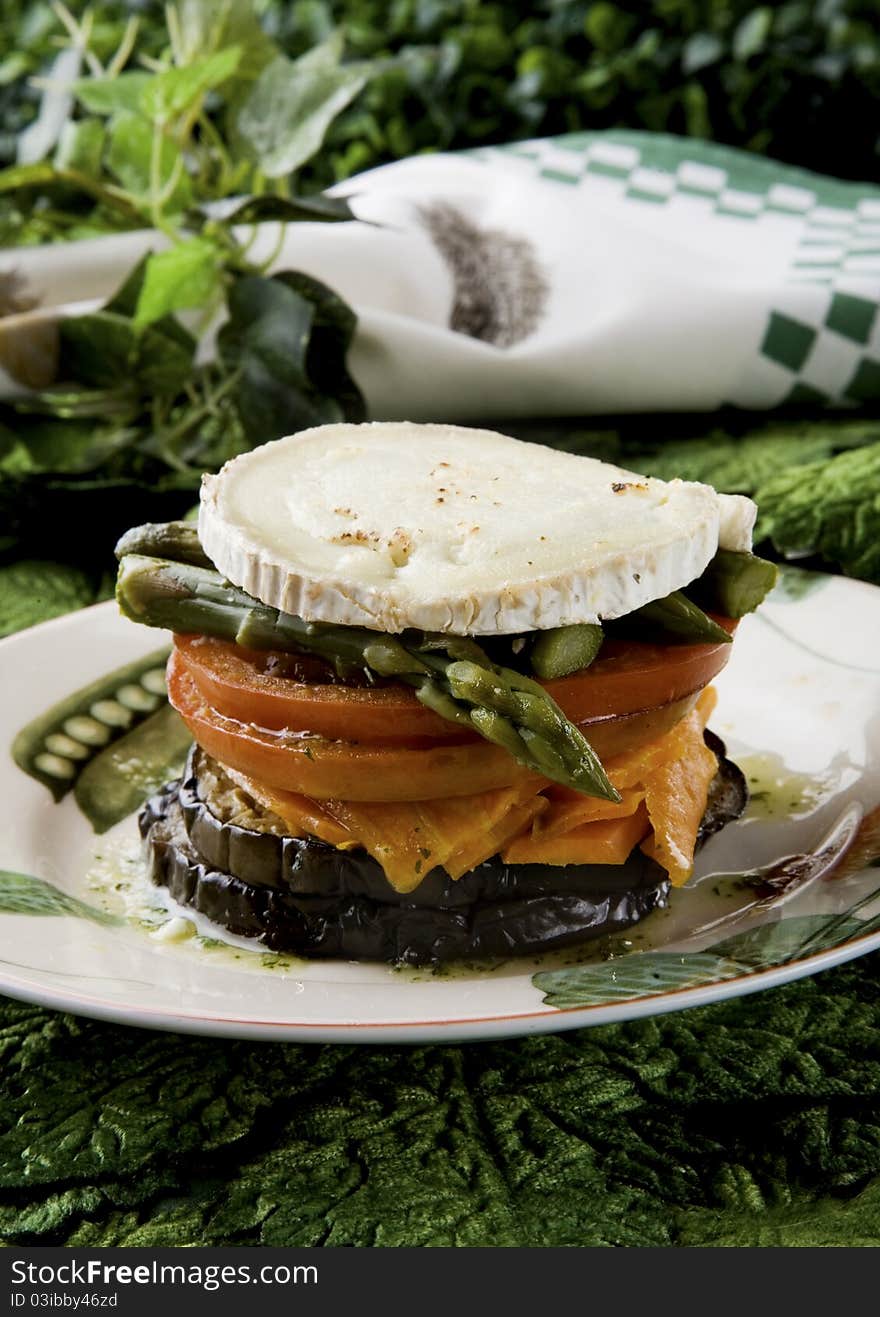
column 797, row 80
column 751, row 1123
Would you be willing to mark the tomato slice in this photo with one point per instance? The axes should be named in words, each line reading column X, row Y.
column 323, row 769
column 235, row 681
column 627, row 678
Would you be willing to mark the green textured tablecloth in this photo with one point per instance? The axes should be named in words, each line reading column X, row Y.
column 753, row 1122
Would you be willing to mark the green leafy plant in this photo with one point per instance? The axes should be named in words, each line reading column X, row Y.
column 199, row 143
column 218, row 110
column 194, row 122
column 797, row 81
column 794, row 80
column 135, row 412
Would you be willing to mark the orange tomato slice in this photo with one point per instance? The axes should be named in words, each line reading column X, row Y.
column 626, row 679
column 324, row 769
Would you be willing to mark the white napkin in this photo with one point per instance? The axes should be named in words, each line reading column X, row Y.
column 595, row 272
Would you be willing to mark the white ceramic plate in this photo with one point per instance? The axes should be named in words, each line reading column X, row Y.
column 800, row 711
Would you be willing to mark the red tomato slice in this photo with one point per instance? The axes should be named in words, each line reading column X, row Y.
column 628, row 676
column 235, row 681
column 625, row 679
column 323, row 769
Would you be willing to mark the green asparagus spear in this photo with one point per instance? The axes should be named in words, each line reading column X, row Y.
column 549, row 740
column 176, row 540
column 502, row 705
column 565, row 649
column 734, row 583
column 183, row 597
column 433, row 695
column 674, row 619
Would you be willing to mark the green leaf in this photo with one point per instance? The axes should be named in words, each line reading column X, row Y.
column 13, row 67
column 125, row 300
column 15, row 456
column 19, row 176
column 288, row 336
column 648, row 974
column 641, row 974
column 65, row 446
column 251, row 210
column 130, row 159
column 266, row 338
column 158, row 96
column 97, row 350
column 104, row 350
column 124, row 93
column 285, row 117
column 32, row 592
column 607, row 26
column 81, row 145
column 333, row 329
column 177, row 89
column 701, row 50
column 751, row 35
column 164, row 361
column 205, row 26
column 185, row 275
column 790, row 939
column 21, row 894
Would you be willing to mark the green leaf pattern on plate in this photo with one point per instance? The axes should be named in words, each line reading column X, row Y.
column 795, row 583
column 646, row 974
column 22, row 894
column 653, row 973
column 785, row 940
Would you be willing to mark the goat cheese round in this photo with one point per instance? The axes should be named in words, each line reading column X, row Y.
column 395, row 525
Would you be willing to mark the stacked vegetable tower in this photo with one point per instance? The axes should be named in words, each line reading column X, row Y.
column 449, row 691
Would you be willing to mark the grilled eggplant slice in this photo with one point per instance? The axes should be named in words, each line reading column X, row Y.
column 308, row 867
column 728, row 792
column 542, row 907
column 303, row 896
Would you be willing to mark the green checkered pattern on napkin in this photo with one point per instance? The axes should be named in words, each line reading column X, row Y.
column 821, row 342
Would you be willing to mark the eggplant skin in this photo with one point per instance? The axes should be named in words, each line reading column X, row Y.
column 302, row 896
column 356, row 927
column 308, row 867
column 728, row 792
column 311, row 867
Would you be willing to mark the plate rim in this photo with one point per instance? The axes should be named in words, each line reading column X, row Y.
column 460, row 1029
